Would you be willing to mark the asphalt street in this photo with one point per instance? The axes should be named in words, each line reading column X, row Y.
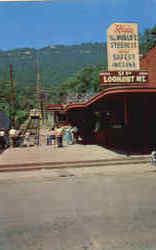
column 103, row 210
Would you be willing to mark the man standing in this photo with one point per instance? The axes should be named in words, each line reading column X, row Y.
column 75, row 134
column 27, row 139
column 2, row 139
column 59, row 136
column 12, row 135
column 154, row 157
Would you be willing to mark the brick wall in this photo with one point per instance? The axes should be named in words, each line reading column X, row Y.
column 148, row 62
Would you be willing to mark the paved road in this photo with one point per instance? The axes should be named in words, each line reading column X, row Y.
column 102, row 210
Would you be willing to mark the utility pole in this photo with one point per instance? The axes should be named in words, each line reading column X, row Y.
column 38, row 90
column 38, row 97
column 38, row 83
column 12, row 118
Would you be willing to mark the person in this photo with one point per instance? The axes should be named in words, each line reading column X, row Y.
column 48, row 137
column 59, row 136
column 52, row 136
column 27, row 138
column 75, row 134
column 68, row 135
column 97, row 126
column 12, row 135
column 154, row 157
column 2, row 139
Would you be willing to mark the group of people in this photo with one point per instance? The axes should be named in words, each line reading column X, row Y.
column 57, row 136
column 12, row 138
column 62, row 134
column 7, row 138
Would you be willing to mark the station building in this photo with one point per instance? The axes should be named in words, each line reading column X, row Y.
column 120, row 117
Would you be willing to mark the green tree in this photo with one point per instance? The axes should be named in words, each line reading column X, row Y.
column 147, row 40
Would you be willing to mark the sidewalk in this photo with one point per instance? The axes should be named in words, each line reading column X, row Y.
column 67, row 154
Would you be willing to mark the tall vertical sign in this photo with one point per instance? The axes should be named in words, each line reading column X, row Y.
column 123, row 47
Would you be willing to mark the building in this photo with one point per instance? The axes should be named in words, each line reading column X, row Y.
column 121, row 118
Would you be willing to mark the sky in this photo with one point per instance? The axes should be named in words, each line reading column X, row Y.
column 37, row 24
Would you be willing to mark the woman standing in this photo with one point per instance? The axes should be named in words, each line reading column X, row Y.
column 52, row 137
column 68, row 135
column 59, row 136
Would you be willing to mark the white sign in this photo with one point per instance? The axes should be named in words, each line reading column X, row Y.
column 123, row 47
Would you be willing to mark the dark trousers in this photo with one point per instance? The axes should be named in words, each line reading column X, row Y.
column 2, row 142
column 75, row 137
column 59, row 141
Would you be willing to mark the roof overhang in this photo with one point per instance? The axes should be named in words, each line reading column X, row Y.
column 104, row 93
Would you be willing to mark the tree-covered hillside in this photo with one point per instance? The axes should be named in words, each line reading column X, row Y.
column 56, row 63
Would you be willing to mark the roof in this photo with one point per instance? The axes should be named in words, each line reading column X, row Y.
column 105, row 92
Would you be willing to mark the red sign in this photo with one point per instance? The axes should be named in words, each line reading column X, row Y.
column 121, row 27
column 123, row 77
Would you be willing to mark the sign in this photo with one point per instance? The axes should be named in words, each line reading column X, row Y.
column 123, row 77
column 123, row 47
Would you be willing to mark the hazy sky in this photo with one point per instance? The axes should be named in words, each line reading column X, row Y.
column 40, row 23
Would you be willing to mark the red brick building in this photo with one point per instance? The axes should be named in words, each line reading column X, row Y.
column 148, row 62
column 120, row 118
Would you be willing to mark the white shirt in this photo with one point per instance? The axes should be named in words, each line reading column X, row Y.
column 74, row 129
column 154, row 155
column 2, row 133
column 12, row 132
column 27, row 134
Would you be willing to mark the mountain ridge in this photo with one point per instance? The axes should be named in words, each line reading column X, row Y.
column 55, row 62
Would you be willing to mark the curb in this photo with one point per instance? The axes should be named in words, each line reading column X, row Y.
column 74, row 164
